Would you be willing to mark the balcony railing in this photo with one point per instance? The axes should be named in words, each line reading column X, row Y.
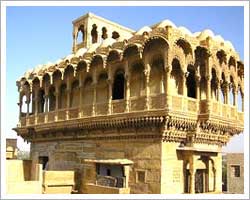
column 118, row 106
column 137, row 104
column 156, row 102
column 101, row 109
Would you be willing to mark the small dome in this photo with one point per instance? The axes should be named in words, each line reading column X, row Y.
column 143, row 29
column 107, row 42
column 81, row 51
column 165, row 23
column 206, row 33
column 185, row 30
column 229, row 45
column 218, row 38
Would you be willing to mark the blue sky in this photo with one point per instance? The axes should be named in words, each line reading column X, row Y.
column 37, row 35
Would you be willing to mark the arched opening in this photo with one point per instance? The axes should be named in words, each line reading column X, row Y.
column 221, row 56
column 104, row 33
column 74, row 96
column 102, row 89
column 240, row 100
column 94, row 34
column 176, row 77
column 88, row 91
column 137, row 80
column 24, row 104
column 115, row 35
column 80, row 34
column 190, row 82
column 156, row 82
column 63, row 96
column 214, row 85
column 52, row 99
column 41, row 101
column 231, row 91
column 223, row 88
column 35, row 85
column 186, row 47
column 119, row 85
column 232, row 63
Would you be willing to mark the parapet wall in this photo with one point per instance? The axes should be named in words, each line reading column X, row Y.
column 18, row 177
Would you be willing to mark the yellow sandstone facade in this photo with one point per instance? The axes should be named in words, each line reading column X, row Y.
column 143, row 111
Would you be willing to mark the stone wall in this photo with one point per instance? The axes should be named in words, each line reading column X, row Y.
column 235, row 184
column 18, row 177
column 172, row 180
column 69, row 155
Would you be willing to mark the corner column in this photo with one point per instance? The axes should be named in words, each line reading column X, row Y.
column 208, row 78
column 147, row 77
column 110, row 83
column 80, row 96
column 167, row 67
column 94, row 98
column 68, row 97
column 192, row 175
column 127, row 92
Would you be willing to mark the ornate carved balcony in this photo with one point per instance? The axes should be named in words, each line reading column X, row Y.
column 180, row 105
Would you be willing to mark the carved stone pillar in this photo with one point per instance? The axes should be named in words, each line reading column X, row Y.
column 57, row 97
column 80, row 98
column 218, row 90
column 110, row 83
column 20, row 104
column 28, row 106
column 192, row 175
column 167, row 85
column 57, row 102
column 197, row 79
column 208, row 79
column 46, row 97
column 147, row 77
column 235, row 94
column 184, row 86
column 94, row 99
column 208, row 94
column 227, row 89
column 127, row 92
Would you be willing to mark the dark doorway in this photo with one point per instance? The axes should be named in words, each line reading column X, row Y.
column 191, row 83
column 118, row 87
column 199, row 180
column 43, row 160
column 187, row 181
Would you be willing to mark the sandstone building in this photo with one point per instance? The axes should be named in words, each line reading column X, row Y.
column 135, row 111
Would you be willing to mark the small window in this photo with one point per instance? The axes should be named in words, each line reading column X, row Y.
column 141, row 176
column 235, row 169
